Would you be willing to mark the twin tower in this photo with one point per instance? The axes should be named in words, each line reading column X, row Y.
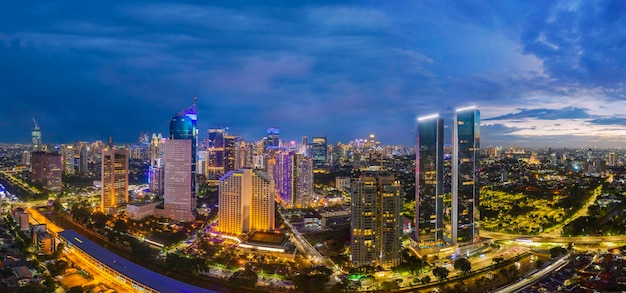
column 446, row 190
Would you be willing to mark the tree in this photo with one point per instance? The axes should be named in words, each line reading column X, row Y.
column 244, row 278
column 388, row 286
column 497, row 260
column 426, row 280
column 463, row 265
column 556, row 251
column 441, row 273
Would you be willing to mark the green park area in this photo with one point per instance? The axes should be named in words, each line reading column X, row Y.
column 519, row 213
column 537, row 211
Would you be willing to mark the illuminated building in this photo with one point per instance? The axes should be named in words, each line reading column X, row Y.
column 319, row 153
column 25, row 158
column 114, row 189
column 246, row 200
column 180, row 166
column 612, row 159
column 36, row 138
column 47, row 170
column 215, row 154
column 272, row 140
column 21, row 218
column 465, row 147
column 376, row 221
column 230, row 152
column 429, row 178
column 156, row 148
column 83, row 160
column 68, row 159
column 293, row 176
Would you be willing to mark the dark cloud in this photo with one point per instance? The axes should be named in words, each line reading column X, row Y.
column 92, row 69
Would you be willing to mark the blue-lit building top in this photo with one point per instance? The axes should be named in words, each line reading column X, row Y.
column 272, row 140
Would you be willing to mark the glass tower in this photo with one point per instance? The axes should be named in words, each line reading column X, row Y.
column 466, row 144
column 183, row 126
column 319, row 151
column 429, row 177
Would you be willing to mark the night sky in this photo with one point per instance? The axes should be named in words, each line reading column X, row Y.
column 543, row 73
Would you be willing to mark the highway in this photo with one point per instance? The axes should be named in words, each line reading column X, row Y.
column 527, row 281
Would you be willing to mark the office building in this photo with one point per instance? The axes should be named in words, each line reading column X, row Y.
column 68, row 159
column 47, row 170
column 230, row 152
column 293, row 176
column 319, row 151
column 272, row 139
column 246, row 199
column 36, row 138
column 376, row 221
column 114, row 176
column 180, row 167
column 215, row 154
column 429, row 224
column 465, row 192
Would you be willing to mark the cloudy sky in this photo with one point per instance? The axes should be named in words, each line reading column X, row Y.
column 543, row 73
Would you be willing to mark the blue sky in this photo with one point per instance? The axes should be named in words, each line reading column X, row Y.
column 543, row 73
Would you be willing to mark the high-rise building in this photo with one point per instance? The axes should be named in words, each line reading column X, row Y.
column 180, row 166
column 36, row 137
column 47, row 170
column 246, row 200
column 612, row 159
column 293, row 176
column 272, row 140
column 215, row 154
column 319, row 151
column 83, row 159
column 429, row 224
column 230, row 152
column 114, row 176
column 465, row 192
column 68, row 159
column 376, row 224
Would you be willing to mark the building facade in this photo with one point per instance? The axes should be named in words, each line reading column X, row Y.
column 293, row 176
column 246, row 200
column 465, row 192
column 47, row 170
column 319, row 153
column 429, row 224
column 376, row 221
column 179, row 178
column 114, row 176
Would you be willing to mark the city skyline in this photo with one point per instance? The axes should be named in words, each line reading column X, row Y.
column 542, row 75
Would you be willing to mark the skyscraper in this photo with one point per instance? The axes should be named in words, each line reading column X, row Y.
column 293, row 176
column 230, row 152
column 68, row 159
column 36, row 137
column 319, row 151
column 376, row 225
column 215, row 154
column 429, row 181
column 465, row 193
column 114, row 186
column 246, row 200
column 180, row 166
column 272, row 140
column 47, row 170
